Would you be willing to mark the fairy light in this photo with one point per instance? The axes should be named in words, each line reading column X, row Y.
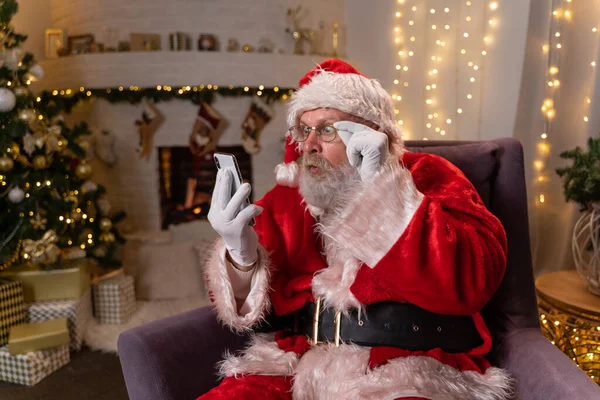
column 587, row 100
column 431, row 37
column 404, row 52
column 551, row 50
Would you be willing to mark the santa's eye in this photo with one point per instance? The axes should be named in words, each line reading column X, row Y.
column 327, row 133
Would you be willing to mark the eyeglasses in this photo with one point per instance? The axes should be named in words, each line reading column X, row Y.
column 326, row 133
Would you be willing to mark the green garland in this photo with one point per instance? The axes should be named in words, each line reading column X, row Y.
column 57, row 101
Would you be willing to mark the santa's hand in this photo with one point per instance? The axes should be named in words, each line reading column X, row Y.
column 240, row 239
column 367, row 149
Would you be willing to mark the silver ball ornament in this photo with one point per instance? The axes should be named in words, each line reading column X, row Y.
column 16, row 195
column 8, row 100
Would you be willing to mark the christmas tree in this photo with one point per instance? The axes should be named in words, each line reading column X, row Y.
column 49, row 209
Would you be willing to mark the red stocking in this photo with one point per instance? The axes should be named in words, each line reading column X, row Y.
column 258, row 116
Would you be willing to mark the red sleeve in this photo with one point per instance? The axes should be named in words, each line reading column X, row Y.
column 451, row 256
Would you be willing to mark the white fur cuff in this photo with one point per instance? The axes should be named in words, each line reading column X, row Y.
column 375, row 219
column 261, row 357
column 257, row 302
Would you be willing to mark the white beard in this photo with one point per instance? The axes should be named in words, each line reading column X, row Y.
column 328, row 190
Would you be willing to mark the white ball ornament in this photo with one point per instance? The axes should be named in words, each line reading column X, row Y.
column 37, row 72
column 16, row 195
column 11, row 58
column 8, row 100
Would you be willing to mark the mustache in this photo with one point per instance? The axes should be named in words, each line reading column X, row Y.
column 315, row 160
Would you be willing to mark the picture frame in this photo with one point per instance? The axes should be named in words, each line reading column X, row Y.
column 81, row 44
column 145, row 42
column 55, row 42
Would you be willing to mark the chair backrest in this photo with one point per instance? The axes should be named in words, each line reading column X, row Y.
column 496, row 170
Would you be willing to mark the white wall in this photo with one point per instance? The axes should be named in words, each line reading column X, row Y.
column 32, row 19
column 247, row 21
column 133, row 184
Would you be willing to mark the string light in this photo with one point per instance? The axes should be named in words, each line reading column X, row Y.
column 587, row 99
column 550, row 50
column 439, row 40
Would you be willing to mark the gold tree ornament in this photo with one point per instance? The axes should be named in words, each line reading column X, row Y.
column 107, row 237
column 62, row 143
column 15, row 150
column 6, row 164
column 43, row 251
column 105, row 224
column 40, row 162
column 84, row 171
column 38, row 222
column 23, row 160
column 27, row 114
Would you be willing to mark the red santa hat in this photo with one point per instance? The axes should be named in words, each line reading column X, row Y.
column 336, row 84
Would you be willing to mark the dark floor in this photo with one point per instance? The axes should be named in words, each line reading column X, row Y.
column 91, row 375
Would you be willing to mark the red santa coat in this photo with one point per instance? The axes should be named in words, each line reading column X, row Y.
column 418, row 233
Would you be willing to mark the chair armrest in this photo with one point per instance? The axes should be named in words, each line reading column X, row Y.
column 542, row 371
column 174, row 358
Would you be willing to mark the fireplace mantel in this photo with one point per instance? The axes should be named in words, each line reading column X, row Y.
column 147, row 69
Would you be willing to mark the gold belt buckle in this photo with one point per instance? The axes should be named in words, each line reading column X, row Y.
column 337, row 325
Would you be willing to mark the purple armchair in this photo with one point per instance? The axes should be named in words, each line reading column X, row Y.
column 174, row 358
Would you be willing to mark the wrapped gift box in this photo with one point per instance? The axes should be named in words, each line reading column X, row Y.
column 11, row 307
column 114, row 299
column 77, row 311
column 69, row 280
column 25, row 338
column 30, row 368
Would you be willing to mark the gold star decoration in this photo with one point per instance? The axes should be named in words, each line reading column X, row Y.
column 38, row 222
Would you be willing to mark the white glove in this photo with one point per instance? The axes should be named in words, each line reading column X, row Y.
column 240, row 238
column 367, row 149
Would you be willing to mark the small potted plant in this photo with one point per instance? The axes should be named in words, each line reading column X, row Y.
column 581, row 184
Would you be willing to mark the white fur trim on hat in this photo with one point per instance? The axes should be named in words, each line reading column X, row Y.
column 351, row 93
column 287, row 174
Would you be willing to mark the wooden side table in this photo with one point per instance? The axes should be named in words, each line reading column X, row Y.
column 570, row 318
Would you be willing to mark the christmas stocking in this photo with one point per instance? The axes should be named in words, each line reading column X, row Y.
column 151, row 120
column 259, row 114
column 205, row 135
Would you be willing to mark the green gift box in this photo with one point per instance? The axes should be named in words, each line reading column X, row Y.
column 67, row 281
column 11, row 307
column 25, row 338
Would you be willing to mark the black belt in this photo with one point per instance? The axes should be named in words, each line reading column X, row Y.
column 389, row 324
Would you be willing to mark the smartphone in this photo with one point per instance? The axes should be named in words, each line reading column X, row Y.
column 228, row 161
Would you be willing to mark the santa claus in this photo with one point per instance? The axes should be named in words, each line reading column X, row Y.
column 367, row 268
